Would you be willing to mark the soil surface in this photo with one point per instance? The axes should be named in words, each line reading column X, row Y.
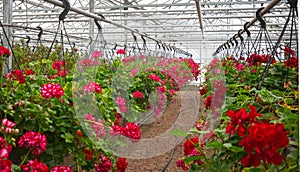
column 166, row 162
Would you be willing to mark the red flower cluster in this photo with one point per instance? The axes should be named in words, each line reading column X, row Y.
column 61, row 169
column 5, row 165
column 207, row 102
column 103, row 164
column 262, row 143
column 88, row 154
column 241, row 120
column 52, row 90
column 121, row 165
column 194, row 68
column 256, row 59
column 154, row 77
column 29, row 72
column 161, row 89
column 7, row 126
column 92, row 87
column 16, row 75
column 58, row 64
column 34, row 141
column 202, row 91
column 190, row 149
column 34, row 166
column 97, row 125
column 260, row 140
column 131, row 130
column 5, row 149
column 288, row 51
column 121, row 51
column 180, row 163
column 292, row 63
column 4, row 51
column 138, row 94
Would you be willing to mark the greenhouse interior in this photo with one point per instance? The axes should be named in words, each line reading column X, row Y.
column 181, row 85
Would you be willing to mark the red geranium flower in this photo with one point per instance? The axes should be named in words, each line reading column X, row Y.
column 121, row 165
column 154, row 77
column 103, row 164
column 132, row 131
column 58, row 64
column 190, row 146
column 61, row 169
column 34, row 166
column 29, row 72
column 16, row 75
column 121, row 51
column 207, row 102
column 34, row 141
column 138, row 94
column 52, row 90
column 4, row 51
column 5, row 165
column 88, row 154
column 263, row 142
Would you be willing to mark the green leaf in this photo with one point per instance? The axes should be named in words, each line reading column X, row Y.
column 235, row 149
column 192, row 158
column 214, row 145
column 179, row 132
column 227, row 145
column 15, row 168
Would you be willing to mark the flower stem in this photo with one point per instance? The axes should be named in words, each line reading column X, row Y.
column 25, row 158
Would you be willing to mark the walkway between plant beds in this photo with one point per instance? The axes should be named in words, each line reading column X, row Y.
column 165, row 122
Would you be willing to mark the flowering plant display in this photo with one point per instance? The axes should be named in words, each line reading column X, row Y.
column 38, row 100
column 258, row 129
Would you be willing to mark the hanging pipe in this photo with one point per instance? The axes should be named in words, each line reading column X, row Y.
column 94, row 16
column 261, row 13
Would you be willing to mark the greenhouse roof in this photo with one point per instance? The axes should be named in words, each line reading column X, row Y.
column 173, row 22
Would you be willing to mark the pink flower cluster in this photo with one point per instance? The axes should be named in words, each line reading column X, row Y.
column 34, row 141
column 161, row 104
column 103, row 164
column 87, row 62
column 52, row 90
column 34, row 166
column 97, row 54
column 154, row 77
column 137, row 94
column 121, row 102
column 97, row 125
column 92, row 87
column 61, row 169
column 7, row 126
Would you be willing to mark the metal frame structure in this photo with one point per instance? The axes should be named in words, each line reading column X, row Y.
column 174, row 22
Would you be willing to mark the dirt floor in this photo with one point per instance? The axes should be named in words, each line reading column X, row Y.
column 160, row 163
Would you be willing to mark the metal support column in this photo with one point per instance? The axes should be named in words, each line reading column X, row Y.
column 7, row 18
column 91, row 25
